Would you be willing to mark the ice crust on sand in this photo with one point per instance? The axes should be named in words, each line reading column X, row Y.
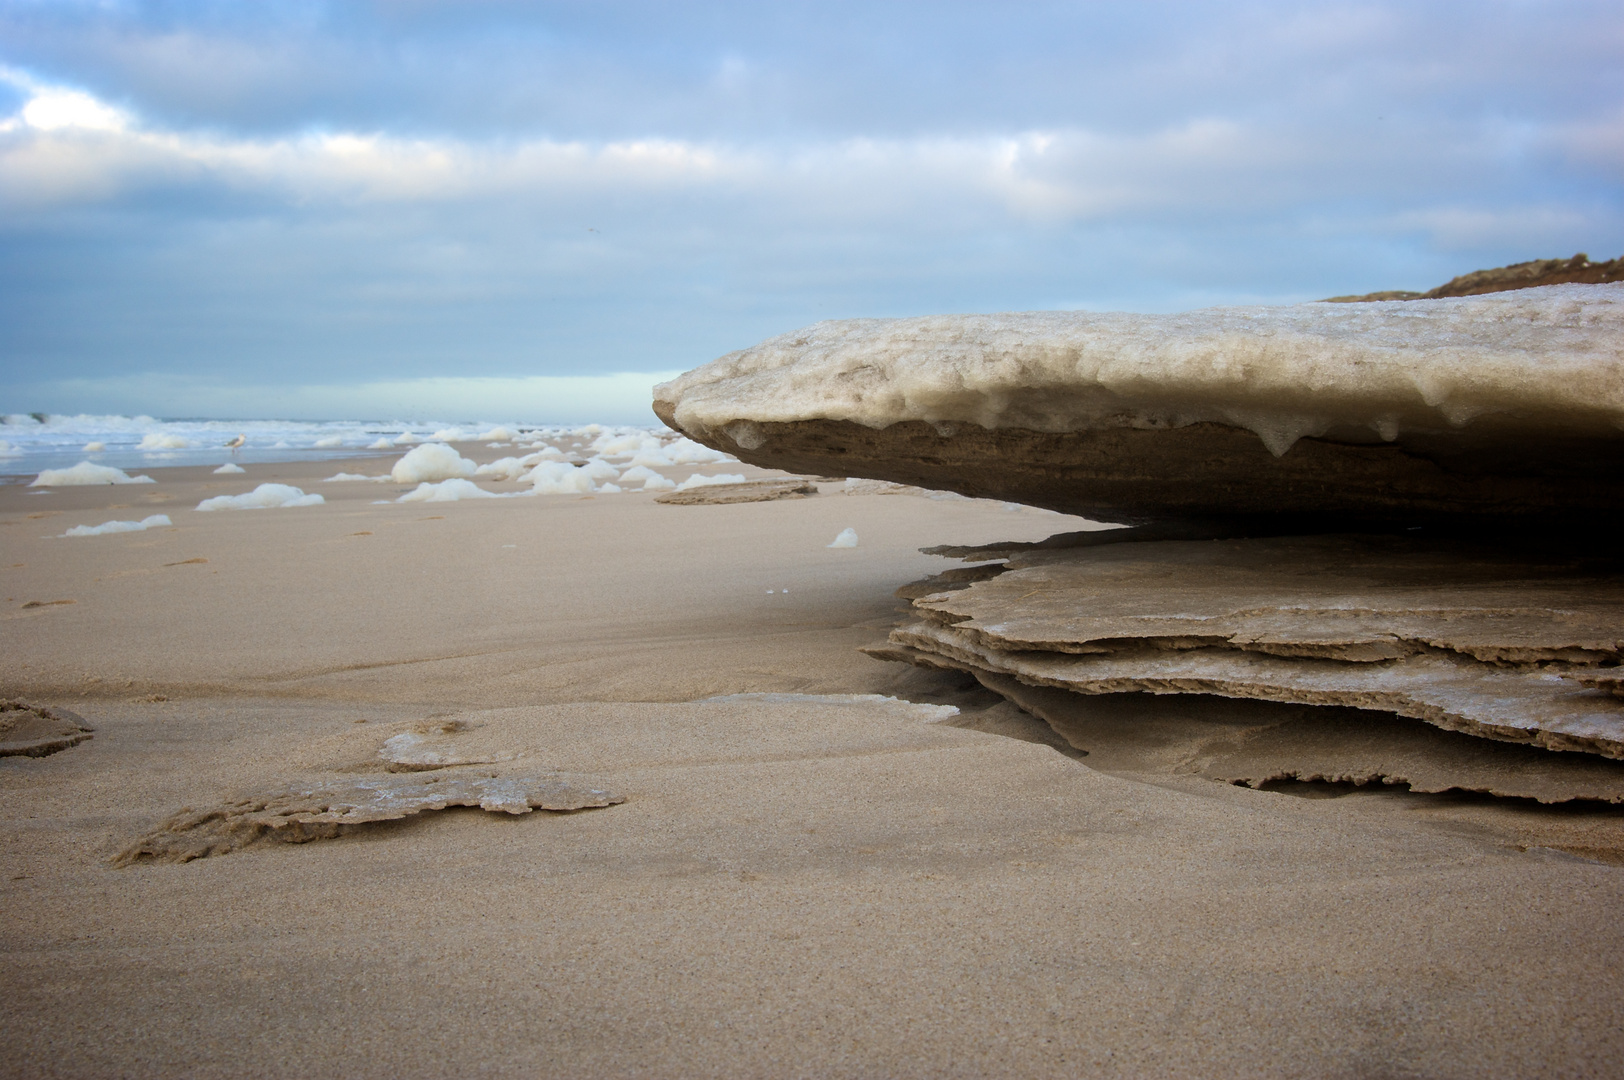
column 86, row 474
column 433, row 745
column 748, row 491
column 228, row 469
column 1547, row 360
column 38, row 730
column 264, row 497
column 431, row 462
column 319, row 809
column 156, row 521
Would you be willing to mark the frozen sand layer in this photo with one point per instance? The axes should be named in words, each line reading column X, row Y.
column 791, row 888
column 1509, row 403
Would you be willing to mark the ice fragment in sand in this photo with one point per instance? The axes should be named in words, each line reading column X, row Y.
column 264, row 497
column 321, row 809
column 85, row 474
column 739, row 492
column 37, row 730
column 846, row 539
column 228, row 469
column 430, row 462
column 153, row 522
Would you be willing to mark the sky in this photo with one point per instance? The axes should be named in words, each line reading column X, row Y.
column 532, row 211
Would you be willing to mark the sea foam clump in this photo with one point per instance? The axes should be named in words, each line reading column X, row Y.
column 700, row 480
column 560, row 478
column 158, row 440
column 264, row 497
column 86, row 474
column 229, row 469
column 648, row 478
column 156, row 521
column 453, row 490
column 431, row 462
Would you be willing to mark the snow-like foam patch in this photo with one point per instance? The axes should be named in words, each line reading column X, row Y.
column 431, row 462
column 351, row 477
column 94, row 447
column 86, row 474
column 508, row 468
column 405, row 438
column 228, row 469
column 160, row 441
column 561, row 478
column 497, row 435
column 384, row 443
column 846, row 539
column 264, row 497
column 648, row 478
column 9, row 451
column 700, row 480
column 328, row 443
column 156, row 521
column 452, row 491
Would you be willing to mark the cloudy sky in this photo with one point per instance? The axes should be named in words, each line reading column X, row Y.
column 521, row 210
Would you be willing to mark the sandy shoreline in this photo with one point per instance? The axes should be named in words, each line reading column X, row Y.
column 793, row 887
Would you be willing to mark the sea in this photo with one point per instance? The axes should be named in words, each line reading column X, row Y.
column 32, row 442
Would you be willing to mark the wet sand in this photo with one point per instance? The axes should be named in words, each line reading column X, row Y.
column 795, row 886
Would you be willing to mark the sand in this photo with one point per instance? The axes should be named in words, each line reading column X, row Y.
column 796, row 885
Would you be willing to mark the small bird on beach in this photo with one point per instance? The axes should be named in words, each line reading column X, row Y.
column 237, row 442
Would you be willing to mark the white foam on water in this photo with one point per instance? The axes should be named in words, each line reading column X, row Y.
column 846, row 539
column 86, row 474
column 701, row 480
column 161, row 441
column 329, row 442
column 94, row 447
column 431, row 462
column 264, row 497
column 154, row 522
column 9, row 451
column 228, row 469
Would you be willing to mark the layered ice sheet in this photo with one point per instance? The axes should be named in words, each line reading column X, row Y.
column 1546, row 360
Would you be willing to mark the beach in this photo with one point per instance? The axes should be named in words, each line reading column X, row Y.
column 802, row 880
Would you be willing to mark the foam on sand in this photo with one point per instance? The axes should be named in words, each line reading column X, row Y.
column 846, row 539
column 431, row 462
column 497, row 435
column 647, row 477
column 229, row 469
column 351, row 477
column 158, row 440
column 328, row 443
column 453, row 490
column 509, row 468
column 86, row 474
column 384, row 443
column 701, row 480
column 156, row 521
column 264, row 497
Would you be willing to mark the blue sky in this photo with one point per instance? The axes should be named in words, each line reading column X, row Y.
column 521, row 210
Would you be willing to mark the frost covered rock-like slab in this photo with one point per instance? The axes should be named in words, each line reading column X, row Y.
column 321, row 809
column 1510, row 403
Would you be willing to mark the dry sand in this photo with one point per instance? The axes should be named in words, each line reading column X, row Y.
column 795, row 886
